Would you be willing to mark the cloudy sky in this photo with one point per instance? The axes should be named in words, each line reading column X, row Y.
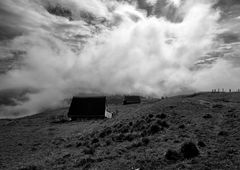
column 54, row 49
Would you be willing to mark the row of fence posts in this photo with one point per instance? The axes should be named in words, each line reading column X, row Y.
column 223, row 91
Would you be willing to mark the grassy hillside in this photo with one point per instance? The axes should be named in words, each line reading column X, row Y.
column 199, row 131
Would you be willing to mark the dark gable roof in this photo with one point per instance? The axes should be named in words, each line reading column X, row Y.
column 87, row 107
column 131, row 99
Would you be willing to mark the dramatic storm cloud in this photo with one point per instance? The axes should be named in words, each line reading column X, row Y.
column 63, row 48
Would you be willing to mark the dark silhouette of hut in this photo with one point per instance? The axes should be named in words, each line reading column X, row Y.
column 87, row 107
column 131, row 100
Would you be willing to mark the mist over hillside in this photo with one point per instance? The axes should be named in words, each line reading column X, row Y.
column 51, row 50
column 119, row 84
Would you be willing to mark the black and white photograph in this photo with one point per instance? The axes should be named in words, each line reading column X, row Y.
column 119, row 84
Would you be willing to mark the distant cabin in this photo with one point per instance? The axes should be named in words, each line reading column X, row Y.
column 87, row 107
column 131, row 100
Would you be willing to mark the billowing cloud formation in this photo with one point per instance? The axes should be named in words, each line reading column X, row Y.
column 95, row 7
column 124, row 53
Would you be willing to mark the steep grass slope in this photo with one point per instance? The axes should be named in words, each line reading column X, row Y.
column 199, row 131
